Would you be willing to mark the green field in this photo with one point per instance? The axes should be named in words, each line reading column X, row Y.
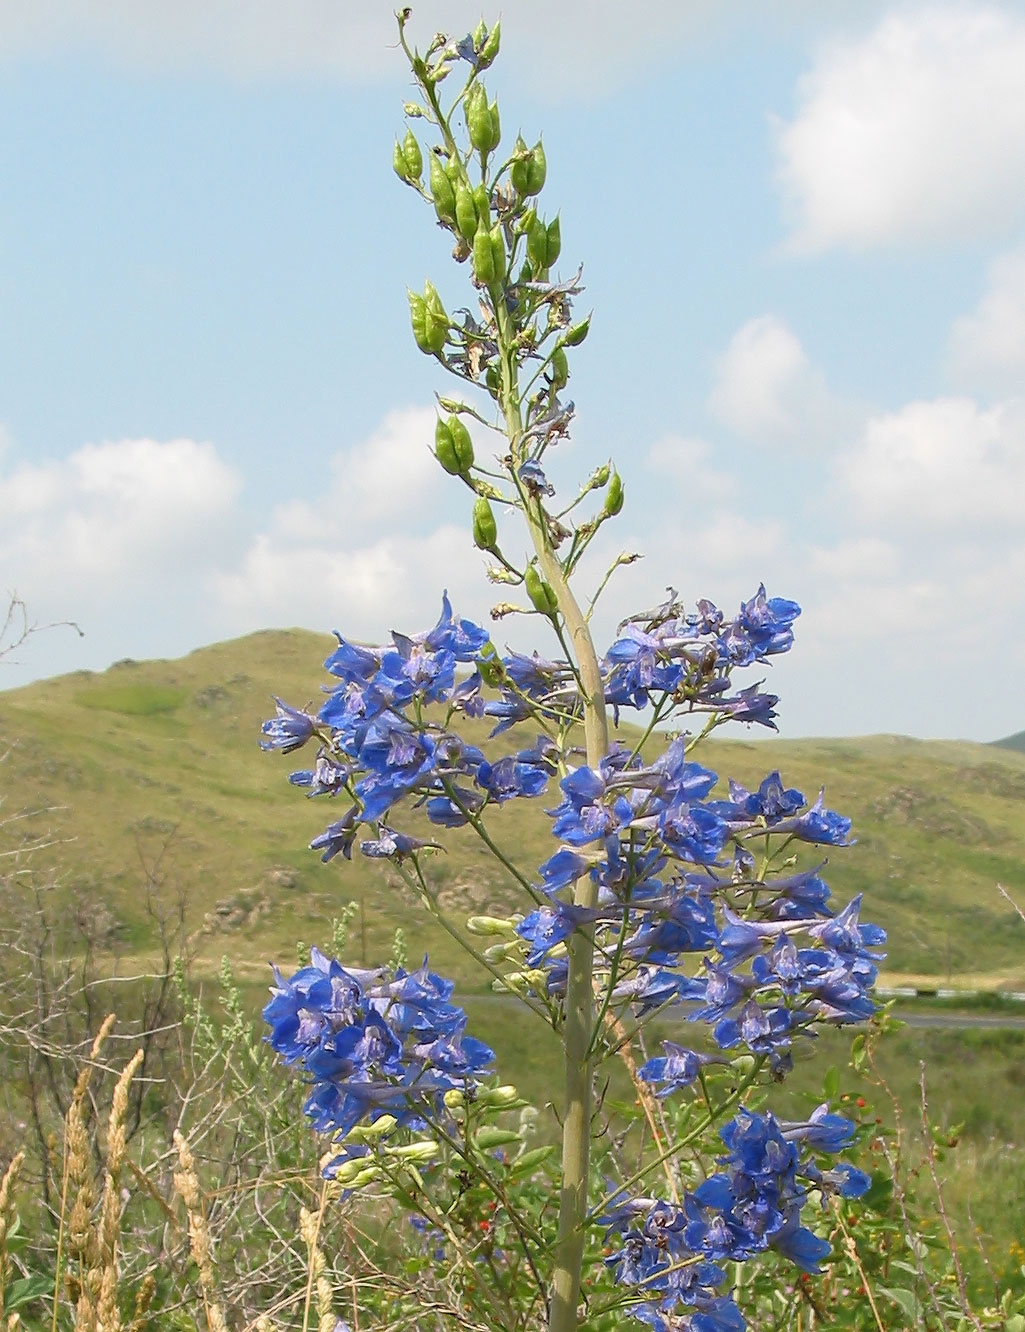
column 148, row 781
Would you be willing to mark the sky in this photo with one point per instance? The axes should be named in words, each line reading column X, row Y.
column 802, row 230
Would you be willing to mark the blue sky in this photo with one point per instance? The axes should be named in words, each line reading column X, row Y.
column 803, row 236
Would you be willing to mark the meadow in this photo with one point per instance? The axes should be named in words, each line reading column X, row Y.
column 148, row 840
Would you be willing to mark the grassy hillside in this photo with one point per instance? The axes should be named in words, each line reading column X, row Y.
column 1016, row 741
column 149, row 776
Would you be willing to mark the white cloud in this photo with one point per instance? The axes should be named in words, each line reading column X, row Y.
column 945, row 463
column 766, row 390
column 915, row 131
column 113, row 510
column 987, row 347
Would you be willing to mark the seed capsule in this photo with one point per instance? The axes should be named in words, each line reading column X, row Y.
column 558, row 368
column 478, row 119
column 541, row 594
column 490, row 48
column 466, row 211
column 398, row 162
column 483, row 257
column 462, row 445
column 412, row 156
column 613, row 496
column 442, row 193
column 485, row 529
column 576, row 333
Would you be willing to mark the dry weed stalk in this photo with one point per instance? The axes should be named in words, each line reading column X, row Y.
column 7, row 1218
column 317, row 1282
column 187, row 1185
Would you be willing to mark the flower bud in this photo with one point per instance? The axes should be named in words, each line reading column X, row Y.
column 541, row 594
column 601, row 476
column 350, row 1171
column 487, row 1138
column 415, row 1151
column 412, row 110
column 442, row 193
column 485, row 529
column 412, row 156
column 453, row 1099
column 498, row 1096
column 503, row 951
column 490, row 925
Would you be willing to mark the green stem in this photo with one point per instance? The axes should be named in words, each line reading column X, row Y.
column 579, row 1022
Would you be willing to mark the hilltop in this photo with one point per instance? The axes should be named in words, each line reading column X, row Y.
column 148, row 783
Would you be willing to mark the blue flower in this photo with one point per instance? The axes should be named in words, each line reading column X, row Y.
column 289, row 730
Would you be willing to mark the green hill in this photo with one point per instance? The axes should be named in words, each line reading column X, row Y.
column 1016, row 742
column 147, row 783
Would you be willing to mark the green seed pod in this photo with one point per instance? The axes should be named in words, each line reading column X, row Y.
column 412, row 156
column 466, row 211
column 524, row 222
column 537, row 245
column 613, row 496
column 485, row 529
column 519, row 171
column 492, row 380
column 444, row 448
column 489, row 50
column 535, row 169
column 429, row 320
column 482, row 202
column 418, row 318
column 601, row 476
column 478, row 119
column 541, row 595
column 398, row 162
column 498, row 252
column 576, row 333
column 496, row 126
column 442, row 193
column 553, row 242
column 462, row 444
column 559, row 368
column 483, row 257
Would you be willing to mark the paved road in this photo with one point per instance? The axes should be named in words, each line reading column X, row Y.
column 962, row 1021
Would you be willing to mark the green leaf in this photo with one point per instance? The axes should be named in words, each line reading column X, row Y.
column 904, row 1299
column 25, row 1289
column 831, row 1083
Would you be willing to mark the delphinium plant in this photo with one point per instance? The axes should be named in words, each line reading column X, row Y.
column 665, row 895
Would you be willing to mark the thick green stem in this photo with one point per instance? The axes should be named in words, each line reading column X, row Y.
column 580, row 1015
